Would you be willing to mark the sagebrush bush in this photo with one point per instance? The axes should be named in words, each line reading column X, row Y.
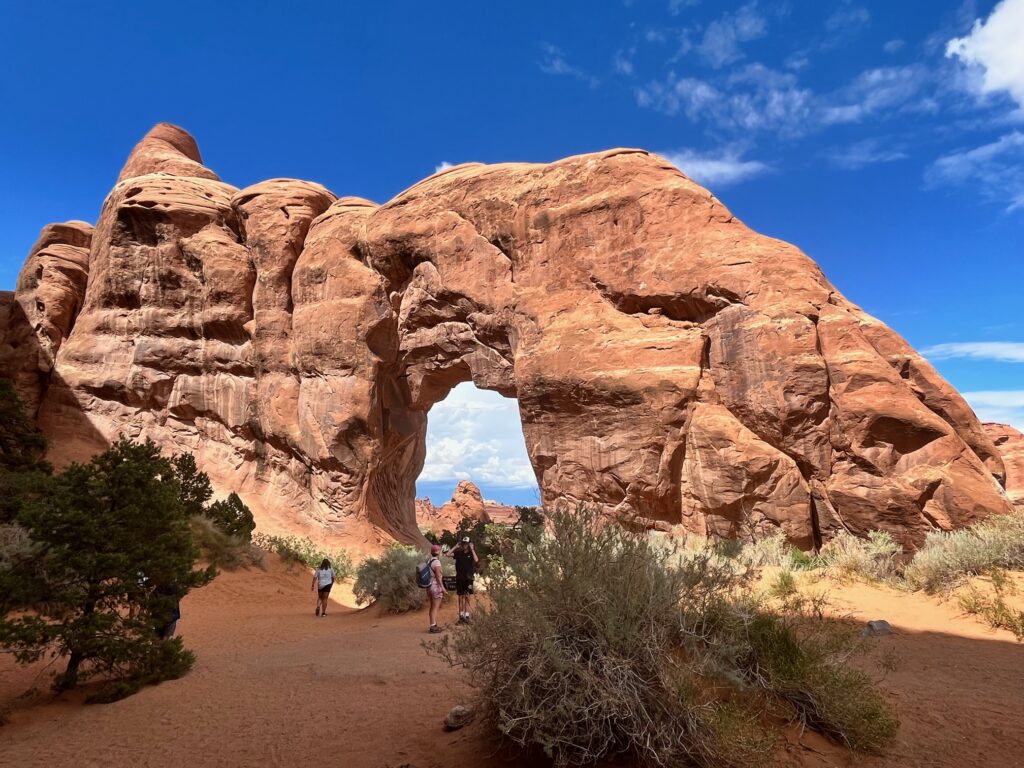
column 874, row 557
column 390, row 580
column 948, row 559
column 993, row 607
column 222, row 549
column 597, row 641
column 304, row 551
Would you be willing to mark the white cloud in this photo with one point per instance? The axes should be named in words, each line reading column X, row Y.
column 716, row 169
column 722, row 37
column 847, row 19
column 444, row 165
column 995, row 51
column 995, row 170
column 892, row 46
column 477, row 435
column 863, row 153
column 554, row 62
column 1002, row 406
column 1002, row 351
column 751, row 99
column 876, row 91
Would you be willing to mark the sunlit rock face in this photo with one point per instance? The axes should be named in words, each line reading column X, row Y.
column 1010, row 444
column 672, row 367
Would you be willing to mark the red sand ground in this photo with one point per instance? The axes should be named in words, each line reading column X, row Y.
column 275, row 686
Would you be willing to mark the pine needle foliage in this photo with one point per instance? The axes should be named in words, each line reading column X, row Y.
column 117, row 554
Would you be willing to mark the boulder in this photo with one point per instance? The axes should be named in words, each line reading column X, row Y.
column 673, row 367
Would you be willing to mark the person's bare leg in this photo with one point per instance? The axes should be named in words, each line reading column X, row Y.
column 435, row 603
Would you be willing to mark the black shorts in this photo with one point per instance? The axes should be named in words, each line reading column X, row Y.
column 464, row 585
column 325, row 591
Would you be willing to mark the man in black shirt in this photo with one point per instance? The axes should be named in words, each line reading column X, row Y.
column 465, row 568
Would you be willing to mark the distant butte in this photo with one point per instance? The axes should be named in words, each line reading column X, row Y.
column 672, row 366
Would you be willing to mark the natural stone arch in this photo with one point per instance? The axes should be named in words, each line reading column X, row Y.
column 671, row 366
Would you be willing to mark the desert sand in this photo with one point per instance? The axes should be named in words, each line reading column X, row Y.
column 275, row 686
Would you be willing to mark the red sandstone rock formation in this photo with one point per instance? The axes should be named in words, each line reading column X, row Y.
column 467, row 503
column 672, row 366
column 1010, row 444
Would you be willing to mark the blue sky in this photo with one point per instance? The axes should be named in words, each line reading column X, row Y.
column 884, row 139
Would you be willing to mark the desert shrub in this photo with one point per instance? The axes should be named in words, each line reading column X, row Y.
column 947, row 559
column 784, row 585
column 576, row 654
column 993, row 608
column 597, row 641
column 390, row 580
column 808, row 671
column 767, row 550
column 874, row 557
column 223, row 549
column 114, row 555
column 304, row 551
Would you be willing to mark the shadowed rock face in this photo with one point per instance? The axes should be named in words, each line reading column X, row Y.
column 671, row 365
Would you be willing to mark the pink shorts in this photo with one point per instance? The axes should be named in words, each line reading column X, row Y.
column 435, row 590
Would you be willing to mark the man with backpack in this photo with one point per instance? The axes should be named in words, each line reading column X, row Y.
column 429, row 577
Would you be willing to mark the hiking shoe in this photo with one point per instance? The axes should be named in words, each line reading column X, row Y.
column 317, row 612
column 434, row 630
column 462, row 620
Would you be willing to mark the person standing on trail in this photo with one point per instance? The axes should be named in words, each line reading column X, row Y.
column 436, row 590
column 323, row 580
column 466, row 561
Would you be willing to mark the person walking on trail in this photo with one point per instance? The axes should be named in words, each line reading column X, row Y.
column 436, row 590
column 466, row 561
column 323, row 580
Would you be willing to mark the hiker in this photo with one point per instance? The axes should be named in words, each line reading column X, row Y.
column 168, row 610
column 323, row 580
column 436, row 590
column 466, row 561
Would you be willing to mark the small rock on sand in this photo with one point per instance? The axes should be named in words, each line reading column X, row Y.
column 459, row 717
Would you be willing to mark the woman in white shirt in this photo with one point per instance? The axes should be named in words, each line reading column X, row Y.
column 323, row 580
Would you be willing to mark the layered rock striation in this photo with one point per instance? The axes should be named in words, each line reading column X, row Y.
column 672, row 366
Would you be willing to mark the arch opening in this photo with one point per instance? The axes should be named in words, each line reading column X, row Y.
column 474, row 436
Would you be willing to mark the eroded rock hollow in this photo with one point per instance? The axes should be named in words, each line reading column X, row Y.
column 671, row 365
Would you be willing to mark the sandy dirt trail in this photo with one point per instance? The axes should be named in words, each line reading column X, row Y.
column 275, row 686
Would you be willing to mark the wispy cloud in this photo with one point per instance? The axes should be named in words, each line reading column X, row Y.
column 1001, row 351
column 863, row 153
column 444, row 165
column 477, row 435
column 554, row 62
column 724, row 36
column 716, row 169
column 994, row 51
column 892, row 46
column 1002, row 406
column 754, row 98
column 874, row 91
column 995, row 170
column 847, row 18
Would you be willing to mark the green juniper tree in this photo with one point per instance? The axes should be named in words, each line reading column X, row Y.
column 117, row 554
column 24, row 475
column 232, row 516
